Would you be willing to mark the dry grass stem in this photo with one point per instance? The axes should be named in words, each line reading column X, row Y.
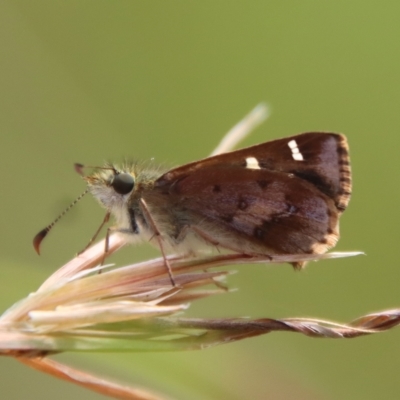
column 88, row 381
column 254, row 118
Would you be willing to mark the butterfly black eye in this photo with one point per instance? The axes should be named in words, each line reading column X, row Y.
column 123, row 183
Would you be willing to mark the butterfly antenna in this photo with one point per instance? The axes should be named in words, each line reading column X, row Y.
column 80, row 167
column 37, row 240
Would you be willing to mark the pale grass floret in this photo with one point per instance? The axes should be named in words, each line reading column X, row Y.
column 131, row 308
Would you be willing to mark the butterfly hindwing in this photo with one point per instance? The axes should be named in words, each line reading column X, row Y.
column 272, row 210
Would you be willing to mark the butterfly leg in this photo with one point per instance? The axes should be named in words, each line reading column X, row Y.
column 212, row 241
column 207, row 238
column 105, row 220
column 157, row 234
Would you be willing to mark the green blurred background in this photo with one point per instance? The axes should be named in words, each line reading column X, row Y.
column 88, row 81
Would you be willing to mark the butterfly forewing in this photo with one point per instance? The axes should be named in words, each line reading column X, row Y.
column 319, row 158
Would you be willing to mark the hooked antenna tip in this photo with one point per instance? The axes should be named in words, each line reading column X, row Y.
column 79, row 168
column 38, row 239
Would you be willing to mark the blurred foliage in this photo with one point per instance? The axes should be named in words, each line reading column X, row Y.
column 100, row 80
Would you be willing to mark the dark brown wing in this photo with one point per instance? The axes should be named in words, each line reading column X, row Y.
column 276, row 212
column 283, row 196
column 325, row 163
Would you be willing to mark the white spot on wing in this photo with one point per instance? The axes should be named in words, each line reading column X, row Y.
column 298, row 157
column 295, row 151
column 252, row 163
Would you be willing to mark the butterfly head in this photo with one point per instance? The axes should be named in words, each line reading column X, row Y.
column 111, row 186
